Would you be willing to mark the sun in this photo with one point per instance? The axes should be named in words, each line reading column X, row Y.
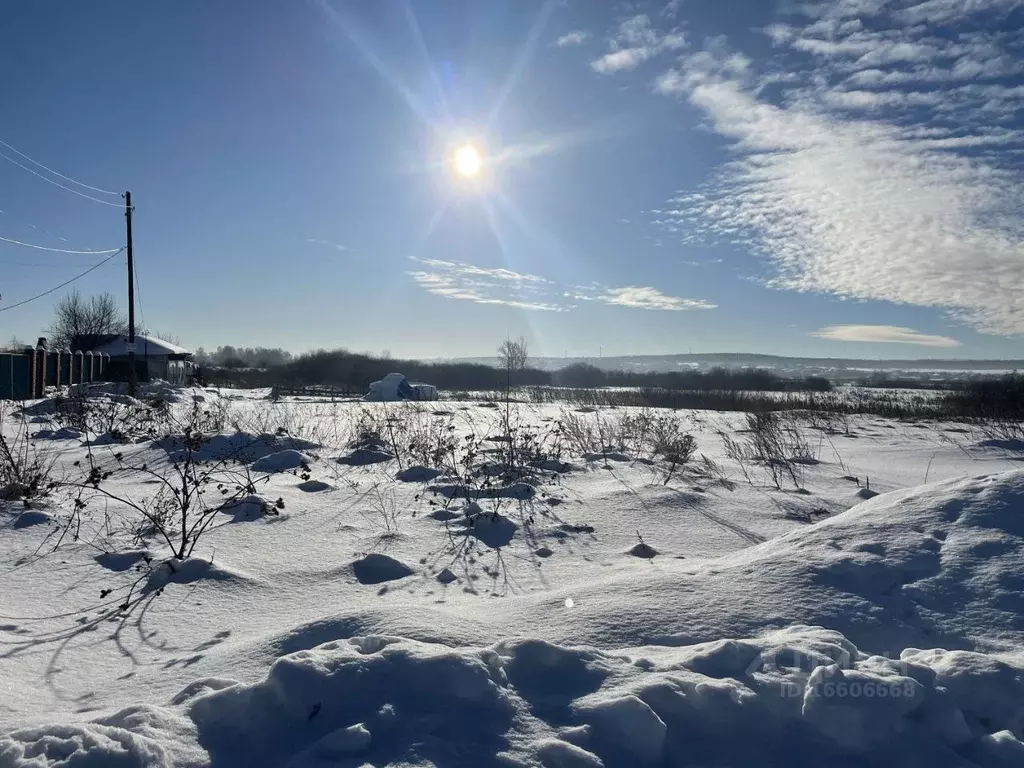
column 467, row 161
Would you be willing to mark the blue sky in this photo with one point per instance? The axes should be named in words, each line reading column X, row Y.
column 828, row 178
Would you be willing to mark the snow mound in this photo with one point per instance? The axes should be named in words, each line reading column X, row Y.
column 450, row 705
column 1006, row 445
column 313, row 486
column 362, row 457
column 493, row 530
column 251, row 507
column 554, row 465
column 608, row 456
column 107, row 438
column 933, row 566
column 189, row 571
column 521, row 491
column 122, row 561
column 30, row 518
column 281, row 461
column 418, row 474
column 444, row 515
column 643, row 550
column 376, row 568
column 802, row 696
column 138, row 737
column 629, row 724
column 64, row 433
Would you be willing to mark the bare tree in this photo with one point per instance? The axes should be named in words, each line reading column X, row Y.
column 167, row 336
column 15, row 345
column 84, row 324
column 512, row 355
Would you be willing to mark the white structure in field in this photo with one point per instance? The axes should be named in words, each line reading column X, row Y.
column 395, row 386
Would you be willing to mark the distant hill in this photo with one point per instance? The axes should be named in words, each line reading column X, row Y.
column 836, row 367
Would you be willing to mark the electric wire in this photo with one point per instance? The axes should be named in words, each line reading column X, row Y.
column 58, row 173
column 7, row 215
column 65, row 283
column 58, row 250
column 57, row 183
column 138, row 298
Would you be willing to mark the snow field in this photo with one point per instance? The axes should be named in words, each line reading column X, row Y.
column 373, row 621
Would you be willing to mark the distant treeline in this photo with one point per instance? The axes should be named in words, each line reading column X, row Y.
column 883, row 380
column 999, row 398
column 353, row 372
column 580, row 375
column 228, row 356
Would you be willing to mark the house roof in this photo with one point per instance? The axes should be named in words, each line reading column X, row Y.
column 145, row 345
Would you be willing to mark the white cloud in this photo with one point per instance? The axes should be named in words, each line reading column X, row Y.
column 883, row 334
column 498, row 273
column 852, row 182
column 634, row 42
column 671, row 8
column 483, row 285
column 938, row 11
column 649, row 298
column 573, row 38
column 335, row 246
column 624, row 59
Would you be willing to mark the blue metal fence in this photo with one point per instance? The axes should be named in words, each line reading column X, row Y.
column 24, row 375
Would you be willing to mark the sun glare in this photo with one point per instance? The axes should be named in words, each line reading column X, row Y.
column 467, row 161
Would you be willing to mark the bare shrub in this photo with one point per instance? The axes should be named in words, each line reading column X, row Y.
column 775, row 445
column 193, row 483
column 641, row 434
column 386, row 512
column 1001, row 429
column 120, row 417
column 25, row 470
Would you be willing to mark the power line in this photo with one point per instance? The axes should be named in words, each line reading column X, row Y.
column 6, row 214
column 68, row 282
column 58, row 173
column 138, row 298
column 59, row 250
column 57, row 183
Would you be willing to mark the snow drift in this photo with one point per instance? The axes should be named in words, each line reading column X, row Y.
column 803, row 696
column 887, row 635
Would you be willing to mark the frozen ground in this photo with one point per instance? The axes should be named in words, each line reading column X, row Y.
column 610, row 613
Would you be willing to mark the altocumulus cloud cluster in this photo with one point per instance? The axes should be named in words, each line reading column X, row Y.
column 889, row 168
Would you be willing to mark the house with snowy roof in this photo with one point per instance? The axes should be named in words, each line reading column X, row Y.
column 154, row 359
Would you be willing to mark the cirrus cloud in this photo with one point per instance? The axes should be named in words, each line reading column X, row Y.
column 497, row 285
column 482, row 285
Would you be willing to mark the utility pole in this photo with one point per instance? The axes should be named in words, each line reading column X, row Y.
column 131, row 292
